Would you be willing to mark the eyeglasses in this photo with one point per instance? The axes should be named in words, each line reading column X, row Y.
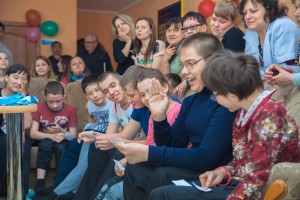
column 191, row 27
column 214, row 96
column 190, row 64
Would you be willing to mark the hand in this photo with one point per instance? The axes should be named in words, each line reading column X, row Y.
column 123, row 163
column 54, row 129
column 134, row 152
column 283, row 78
column 125, row 38
column 22, row 87
column 103, row 141
column 158, row 101
column 57, row 137
column 212, row 178
column 169, row 52
column 87, row 137
column 180, row 90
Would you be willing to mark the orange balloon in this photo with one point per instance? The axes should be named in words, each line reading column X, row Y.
column 33, row 17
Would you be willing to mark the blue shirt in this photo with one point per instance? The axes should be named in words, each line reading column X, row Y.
column 204, row 123
column 142, row 115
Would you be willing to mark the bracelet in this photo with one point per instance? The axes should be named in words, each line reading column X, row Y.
column 228, row 175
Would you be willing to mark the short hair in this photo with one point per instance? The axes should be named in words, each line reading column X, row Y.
column 226, row 9
column 130, row 77
column 54, row 87
column 88, row 80
column 19, row 69
column 204, row 43
column 104, row 76
column 50, row 73
column 176, row 21
column 151, row 73
column 236, row 73
column 2, row 26
column 272, row 7
column 55, row 42
column 128, row 20
column 173, row 79
column 194, row 15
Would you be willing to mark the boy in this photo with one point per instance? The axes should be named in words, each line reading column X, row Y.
column 54, row 122
column 56, row 48
column 98, row 108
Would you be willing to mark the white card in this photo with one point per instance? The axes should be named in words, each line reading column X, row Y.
column 201, row 188
column 118, row 165
column 116, row 141
column 181, row 183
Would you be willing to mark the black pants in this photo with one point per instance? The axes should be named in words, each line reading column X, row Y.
column 97, row 163
column 172, row 192
column 140, row 179
column 3, row 164
column 47, row 148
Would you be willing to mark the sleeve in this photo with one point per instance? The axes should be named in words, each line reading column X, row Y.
column 159, row 48
column 270, row 135
column 208, row 155
column 113, row 118
column 72, row 117
column 135, row 115
column 296, row 79
column 117, row 51
column 150, row 137
column 108, row 62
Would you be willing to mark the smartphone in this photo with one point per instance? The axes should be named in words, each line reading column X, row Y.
column 51, row 124
column 276, row 72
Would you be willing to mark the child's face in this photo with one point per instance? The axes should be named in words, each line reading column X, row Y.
column 77, row 66
column 41, row 68
column 94, row 94
column 54, row 101
column 133, row 97
column 143, row 88
column 111, row 88
column 3, row 61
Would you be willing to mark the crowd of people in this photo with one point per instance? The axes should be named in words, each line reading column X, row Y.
column 191, row 108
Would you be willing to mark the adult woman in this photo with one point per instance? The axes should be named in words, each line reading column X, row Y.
column 124, row 33
column 195, row 124
column 16, row 79
column 42, row 68
column 268, row 32
column 193, row 22
column 148, row 50
column 4, row 63
column 174, row 35
column 63, row 68
column 222, row 26
column 285, row 78
column 78, row 69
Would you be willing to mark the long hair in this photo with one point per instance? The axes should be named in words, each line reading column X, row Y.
column 50, row 74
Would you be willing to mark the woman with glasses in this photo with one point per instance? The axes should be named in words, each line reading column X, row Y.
column 148, row 50
column 222, row 26
column 201, row 122
column 124, row 32
column 271, row 37
column 193, row 22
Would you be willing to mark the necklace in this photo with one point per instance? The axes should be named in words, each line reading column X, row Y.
column 143, row 53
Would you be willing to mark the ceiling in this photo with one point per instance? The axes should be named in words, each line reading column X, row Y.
column 105, row 6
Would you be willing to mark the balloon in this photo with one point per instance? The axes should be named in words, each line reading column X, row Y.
column 49, row 28
column 33, row 17
column 206, row 8
column 33, row 34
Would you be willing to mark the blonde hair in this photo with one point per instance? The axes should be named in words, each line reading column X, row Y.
column 128, row 20
column 50, row 73
column 226, row 9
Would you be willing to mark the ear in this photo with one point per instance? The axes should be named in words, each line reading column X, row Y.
column 44, row 96
column 165, row 88
column 204, row 28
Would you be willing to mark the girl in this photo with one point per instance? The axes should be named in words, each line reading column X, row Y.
column 42, row 68
column 4, row 62
column 124, row 32
column 16, row 79
column 63, row 68
column 78, row 69
column 148, row 50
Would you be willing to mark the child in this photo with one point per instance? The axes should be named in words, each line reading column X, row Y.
column 98, row 108
column 263, row 132
column 4, row 62
column 42, row 68
column 54, row 122
column 56, row 48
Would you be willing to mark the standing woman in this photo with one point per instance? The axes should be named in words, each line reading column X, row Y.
column 42, row 68
column 16, row 79
column 148, row 50
column 124, row 32
column 222, row 26
column 272, row 38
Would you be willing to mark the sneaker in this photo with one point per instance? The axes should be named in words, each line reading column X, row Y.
column 45, row 190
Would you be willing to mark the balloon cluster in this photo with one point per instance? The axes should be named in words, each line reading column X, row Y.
column 206, row 8
column 48, row 28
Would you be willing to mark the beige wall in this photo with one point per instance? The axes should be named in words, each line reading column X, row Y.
column 98, row 24
column 62, row 12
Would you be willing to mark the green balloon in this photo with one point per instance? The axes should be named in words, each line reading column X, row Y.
column 49, row 28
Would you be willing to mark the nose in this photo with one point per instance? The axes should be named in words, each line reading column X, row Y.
column 184, row 71
column 297, row 13
column 110, row 91
column 247, row 15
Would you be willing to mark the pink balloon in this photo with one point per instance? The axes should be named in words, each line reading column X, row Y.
column 33, row 34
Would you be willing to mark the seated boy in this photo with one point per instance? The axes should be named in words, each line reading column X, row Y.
column 54, row 123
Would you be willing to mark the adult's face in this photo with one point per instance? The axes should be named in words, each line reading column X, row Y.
column 90, row 43
column 143, row 30
column 122, row 27
column 174, row 34
column 219, row 26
